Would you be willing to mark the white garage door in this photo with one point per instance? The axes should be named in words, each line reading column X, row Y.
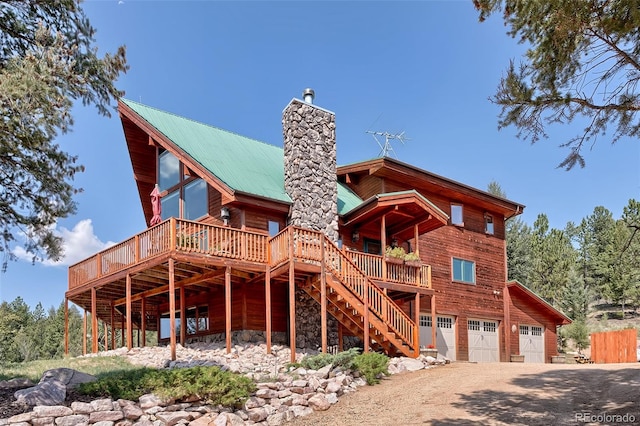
column 483, row 340
column 445, row 335
column 532, row 343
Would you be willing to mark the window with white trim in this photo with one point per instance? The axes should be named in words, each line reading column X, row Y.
column 463, row 271
column 457, row 215
column 488, row 224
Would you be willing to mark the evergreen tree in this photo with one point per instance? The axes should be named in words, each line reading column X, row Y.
column 48, row 60
column 582, row 62
column 553, row 258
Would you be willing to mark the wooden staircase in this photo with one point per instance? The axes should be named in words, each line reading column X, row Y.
column 352, row 298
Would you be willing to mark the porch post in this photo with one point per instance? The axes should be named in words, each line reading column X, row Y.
column 340, row 337
column 267, row 300
column 66, row 326
column 183, row 318
column 416, row 328
column 172, row 308
column 434, row 323
column 227, row 307
column 94, row 322
column 106, row 335
column 292, row 310
column 84, row 332
column 323, row 299
column 129, row 313
column 143, row 320
column 113, row 334
column 122, row 329
column 415, row 239
column 383, row 243
column 366, row 316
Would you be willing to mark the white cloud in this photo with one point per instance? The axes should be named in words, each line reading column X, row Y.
column 78, row 243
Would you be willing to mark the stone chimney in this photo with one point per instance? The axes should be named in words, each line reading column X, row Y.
column 310, row 165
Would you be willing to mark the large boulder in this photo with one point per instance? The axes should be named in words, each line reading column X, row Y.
column 52, row 388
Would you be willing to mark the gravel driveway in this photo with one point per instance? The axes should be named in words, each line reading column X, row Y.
column 494, row 394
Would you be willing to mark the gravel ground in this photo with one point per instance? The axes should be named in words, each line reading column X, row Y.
column 493, row 394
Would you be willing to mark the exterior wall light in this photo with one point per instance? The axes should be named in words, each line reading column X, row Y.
column 355, row 236
column 224, row 214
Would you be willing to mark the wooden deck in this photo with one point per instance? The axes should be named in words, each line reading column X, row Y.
column 139, row 273
column 198, row 239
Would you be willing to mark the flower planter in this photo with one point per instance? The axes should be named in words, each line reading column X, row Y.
column 413, row 263
column 394, row 260
column 432, row 352
column 558, row 359
column 517, row 358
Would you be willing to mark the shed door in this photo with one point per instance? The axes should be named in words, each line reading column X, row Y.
column 445, row 335
column 483, row 340
column 532, row 343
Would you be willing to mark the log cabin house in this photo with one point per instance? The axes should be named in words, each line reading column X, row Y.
column 261, row 243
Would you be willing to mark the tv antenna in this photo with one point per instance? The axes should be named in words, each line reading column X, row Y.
column 386, row 149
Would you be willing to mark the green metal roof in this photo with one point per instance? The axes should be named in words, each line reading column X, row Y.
column 244, row 164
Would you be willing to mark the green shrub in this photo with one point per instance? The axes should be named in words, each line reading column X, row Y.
column 316, row 362
column 341, row 359
column 210, row 384
column 371, row 365
column 345, row 359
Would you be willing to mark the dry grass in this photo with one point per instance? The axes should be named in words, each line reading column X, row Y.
column 92, row 365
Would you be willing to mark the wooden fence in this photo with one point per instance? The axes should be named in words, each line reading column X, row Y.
column 614, row 346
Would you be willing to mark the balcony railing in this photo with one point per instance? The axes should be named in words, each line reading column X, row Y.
column 172, row 234
column 378, row 268
column 219, row 241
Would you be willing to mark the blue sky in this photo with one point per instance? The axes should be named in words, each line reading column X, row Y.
column 423, row 67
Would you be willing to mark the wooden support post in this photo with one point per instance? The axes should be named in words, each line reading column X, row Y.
column 434, row 322
column 243, row 290
column 94, row 322
column 172, row 300
column 106, row 335
column 267, row 299
column 383, row 243
column 367, row 340
column 122, row 330
column 227, row 307
column 158, row 323
column 113, row 330
column 129, row 313
column 143, row 320
column 416, row 328
column 340, row 337
column 84, row 332
column 292, row 310
column 323, row 298
column 183, row 317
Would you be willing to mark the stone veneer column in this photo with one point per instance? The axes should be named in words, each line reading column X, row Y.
column 310, row 166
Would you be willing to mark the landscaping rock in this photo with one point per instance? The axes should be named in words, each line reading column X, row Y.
column 51, row 392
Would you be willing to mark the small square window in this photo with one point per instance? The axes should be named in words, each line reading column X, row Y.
column 464, row 271
column 488, row 224
column 456, row 215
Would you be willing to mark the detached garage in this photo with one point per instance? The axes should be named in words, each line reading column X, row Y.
column 531, row 322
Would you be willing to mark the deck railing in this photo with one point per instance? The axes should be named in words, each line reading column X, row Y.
column 306, row 246
column 172, row 234
column 418, row 275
